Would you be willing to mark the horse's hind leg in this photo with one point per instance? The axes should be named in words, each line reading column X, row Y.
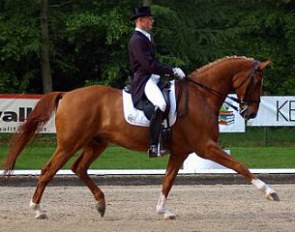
column 57, row 161
column 214, row 153
column 80, row 167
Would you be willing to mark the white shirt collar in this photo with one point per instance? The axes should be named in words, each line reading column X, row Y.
column 145, row 33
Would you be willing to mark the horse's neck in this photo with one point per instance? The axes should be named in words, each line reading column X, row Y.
column 219, row 83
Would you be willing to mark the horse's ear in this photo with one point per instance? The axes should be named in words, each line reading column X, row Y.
column 262, row 65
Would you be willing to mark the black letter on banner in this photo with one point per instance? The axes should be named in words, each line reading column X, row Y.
column 29, row 110
column 278, row 110
column 9, row 116
column 21, row 114
column 291, row 111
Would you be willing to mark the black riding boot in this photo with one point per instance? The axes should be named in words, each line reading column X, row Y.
column 155, row 129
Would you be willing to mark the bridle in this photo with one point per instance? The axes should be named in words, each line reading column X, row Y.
column 243, row 100
column 250, row 83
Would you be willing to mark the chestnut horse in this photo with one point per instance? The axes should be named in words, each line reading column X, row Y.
column 91, row 118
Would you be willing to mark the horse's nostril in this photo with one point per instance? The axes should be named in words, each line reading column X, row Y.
column 252, row 115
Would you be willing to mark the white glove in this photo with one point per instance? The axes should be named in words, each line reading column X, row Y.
column 178, row 72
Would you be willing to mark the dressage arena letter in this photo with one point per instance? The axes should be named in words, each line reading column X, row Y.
column 290, row 115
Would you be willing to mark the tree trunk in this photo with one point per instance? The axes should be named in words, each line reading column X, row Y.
column 45, row 65
column 147, row 2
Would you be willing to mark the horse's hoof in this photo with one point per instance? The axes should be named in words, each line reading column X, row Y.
column 273, row 197
column 101, row 208
column 168, row 215
column 41, row 215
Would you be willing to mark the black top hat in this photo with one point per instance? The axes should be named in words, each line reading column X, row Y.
column 141, row 11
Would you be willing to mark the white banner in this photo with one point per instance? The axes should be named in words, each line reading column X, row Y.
column 14, row 109
column 275, row 111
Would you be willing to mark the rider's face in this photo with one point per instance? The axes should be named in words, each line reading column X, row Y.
column 147, row 22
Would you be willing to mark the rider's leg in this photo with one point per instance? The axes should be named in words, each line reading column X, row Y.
column 154, row 94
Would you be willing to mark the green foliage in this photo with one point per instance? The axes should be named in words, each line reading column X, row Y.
column 19, row 45
column 169, row 42
column 88, row 39
column 95, row 37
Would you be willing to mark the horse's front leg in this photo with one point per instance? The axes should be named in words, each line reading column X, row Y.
column 214, row 153
column 173, row 167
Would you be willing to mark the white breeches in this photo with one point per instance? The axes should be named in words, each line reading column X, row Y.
column 153, row 93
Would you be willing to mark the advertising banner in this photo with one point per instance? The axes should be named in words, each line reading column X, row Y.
column 275, row 111
column 14, row 109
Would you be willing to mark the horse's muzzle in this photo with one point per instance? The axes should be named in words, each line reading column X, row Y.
column 247, row 112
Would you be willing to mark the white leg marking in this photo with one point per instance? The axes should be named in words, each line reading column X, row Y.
column 266, row 189
column 161, row 208
column 161, row 204
column 40, row 214
column 258, row 184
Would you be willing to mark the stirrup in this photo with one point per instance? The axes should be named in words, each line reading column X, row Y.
column 156, row 151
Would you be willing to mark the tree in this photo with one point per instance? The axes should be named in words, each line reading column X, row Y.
column 44, row 54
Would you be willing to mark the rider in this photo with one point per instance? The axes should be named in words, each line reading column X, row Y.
column 146, row 73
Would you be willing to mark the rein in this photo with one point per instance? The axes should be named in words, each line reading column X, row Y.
column 217, row 93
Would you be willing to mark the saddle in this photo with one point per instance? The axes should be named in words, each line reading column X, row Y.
column 148, row 108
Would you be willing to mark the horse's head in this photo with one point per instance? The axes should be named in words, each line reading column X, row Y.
column 248, row 87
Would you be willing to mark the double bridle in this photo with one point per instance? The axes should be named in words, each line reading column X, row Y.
column 243, row 100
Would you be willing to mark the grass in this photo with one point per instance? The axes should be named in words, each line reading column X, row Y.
column 260, row 137
column 257, row 148
column 120, row 158
column 112, row 158
column 265, row 157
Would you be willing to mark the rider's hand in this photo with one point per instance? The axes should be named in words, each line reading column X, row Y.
column 178, row 72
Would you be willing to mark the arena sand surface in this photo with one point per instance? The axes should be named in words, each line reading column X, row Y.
column 199, row 208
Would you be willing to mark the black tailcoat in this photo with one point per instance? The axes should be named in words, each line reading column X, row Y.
column 143, row 64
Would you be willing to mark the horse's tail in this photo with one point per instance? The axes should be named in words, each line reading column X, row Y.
column 34, row 122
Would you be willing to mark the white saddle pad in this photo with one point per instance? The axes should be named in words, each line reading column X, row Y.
column 137, row 118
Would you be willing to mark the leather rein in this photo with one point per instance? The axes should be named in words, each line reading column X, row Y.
column 218, row 94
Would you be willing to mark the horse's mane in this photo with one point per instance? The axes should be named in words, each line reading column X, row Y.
column 209, row 66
